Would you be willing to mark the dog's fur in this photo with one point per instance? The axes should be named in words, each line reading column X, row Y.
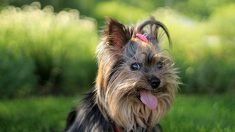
column 114, row 104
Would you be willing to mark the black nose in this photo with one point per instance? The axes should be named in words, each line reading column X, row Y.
column 154, row 82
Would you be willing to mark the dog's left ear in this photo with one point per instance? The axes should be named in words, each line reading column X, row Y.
column 116, row 34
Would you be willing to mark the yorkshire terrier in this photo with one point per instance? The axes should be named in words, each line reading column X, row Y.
column 136, row 81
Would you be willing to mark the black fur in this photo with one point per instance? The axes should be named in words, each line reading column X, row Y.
column 88, row 118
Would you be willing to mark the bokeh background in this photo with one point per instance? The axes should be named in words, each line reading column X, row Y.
column 47, row 59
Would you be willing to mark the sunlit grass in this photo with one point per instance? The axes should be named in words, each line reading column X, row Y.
column 54, row 46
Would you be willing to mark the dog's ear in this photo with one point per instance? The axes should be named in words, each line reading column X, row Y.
column 116, row 34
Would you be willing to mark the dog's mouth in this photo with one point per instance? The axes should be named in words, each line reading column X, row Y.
column 148, row 98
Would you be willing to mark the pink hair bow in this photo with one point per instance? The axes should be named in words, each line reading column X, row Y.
column 142, row 37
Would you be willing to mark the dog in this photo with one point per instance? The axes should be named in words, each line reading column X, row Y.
column 136, row 81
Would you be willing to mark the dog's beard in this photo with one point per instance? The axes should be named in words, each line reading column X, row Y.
column 126, row 110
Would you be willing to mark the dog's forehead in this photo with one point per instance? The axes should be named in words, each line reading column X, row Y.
column 141, row 51
column 145, row 48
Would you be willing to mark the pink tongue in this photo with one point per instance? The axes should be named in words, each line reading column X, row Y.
column 148, row 99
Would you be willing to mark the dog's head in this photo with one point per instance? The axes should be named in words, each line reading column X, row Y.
column 136, row 80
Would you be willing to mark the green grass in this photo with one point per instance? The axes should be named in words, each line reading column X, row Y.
column 201, row 114
column 41, row 114
column 189, row 113
column 47, row 47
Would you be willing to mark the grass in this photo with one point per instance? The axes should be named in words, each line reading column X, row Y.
column 201, row 114
column 42, row 114
column 47, row 47
column 189, row 113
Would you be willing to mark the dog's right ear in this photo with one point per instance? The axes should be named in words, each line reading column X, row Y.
column 116, row 34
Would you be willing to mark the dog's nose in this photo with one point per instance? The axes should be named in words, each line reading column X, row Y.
column 154, row 82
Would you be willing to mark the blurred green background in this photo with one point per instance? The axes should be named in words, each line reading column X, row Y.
column 47, row 59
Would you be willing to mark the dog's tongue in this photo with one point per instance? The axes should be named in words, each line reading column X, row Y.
column 148, row 99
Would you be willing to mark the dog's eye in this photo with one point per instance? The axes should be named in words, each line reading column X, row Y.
column 136, row 66
column 160, row 64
